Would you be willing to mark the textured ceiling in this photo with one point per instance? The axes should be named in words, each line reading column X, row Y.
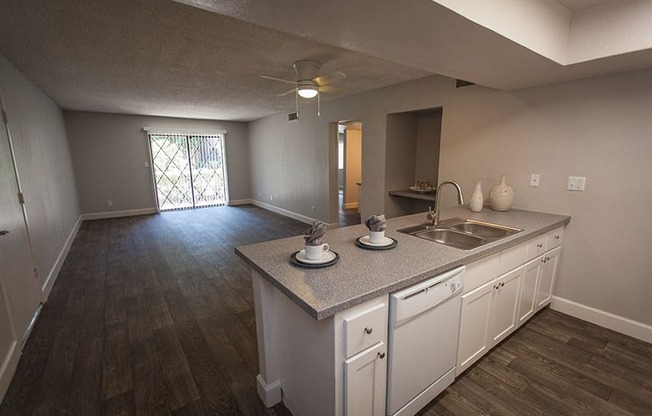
column 202, row 58
column 157, row 57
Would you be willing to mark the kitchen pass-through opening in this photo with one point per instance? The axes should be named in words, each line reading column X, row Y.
column 189, row 169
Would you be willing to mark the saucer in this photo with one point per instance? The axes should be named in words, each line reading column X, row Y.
column 363, row 242
column 328, row 258
column 366, row 240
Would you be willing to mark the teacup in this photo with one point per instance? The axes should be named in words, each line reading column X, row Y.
column 377, row 237
column 315, row 252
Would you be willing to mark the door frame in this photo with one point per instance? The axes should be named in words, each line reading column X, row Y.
column 333, row 151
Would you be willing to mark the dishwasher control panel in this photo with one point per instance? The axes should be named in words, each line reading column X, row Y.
column 425, row 295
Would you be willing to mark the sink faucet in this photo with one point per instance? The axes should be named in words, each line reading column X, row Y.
column 433, row 217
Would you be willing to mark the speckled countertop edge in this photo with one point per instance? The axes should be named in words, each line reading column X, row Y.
column 361, row 275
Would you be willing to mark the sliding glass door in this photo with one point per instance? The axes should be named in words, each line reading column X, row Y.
column 189, row 170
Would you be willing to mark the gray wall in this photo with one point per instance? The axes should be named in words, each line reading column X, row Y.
column 599, row 128
column 109, row 152
column 44, row 165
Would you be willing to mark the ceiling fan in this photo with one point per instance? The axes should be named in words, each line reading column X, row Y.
column 309, row 83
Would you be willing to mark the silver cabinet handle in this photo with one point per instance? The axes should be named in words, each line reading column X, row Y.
column 381, row 355
column 368, row 330
column 4, row 232
column 539, row 245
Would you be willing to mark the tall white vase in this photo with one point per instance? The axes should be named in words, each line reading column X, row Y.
column 502, row 196
column 476, row 198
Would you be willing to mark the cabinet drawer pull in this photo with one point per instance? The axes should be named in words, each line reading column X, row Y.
column 381, row 355
column 502, row 284
column 547, row 258
column 557, row 237
column 368, row 330
column 539, row 245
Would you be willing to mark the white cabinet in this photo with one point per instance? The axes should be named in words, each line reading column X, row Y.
column 527, row 298
column 488, row 316
column 365, row 378
column 474, row 326
column 493, row 310
column 550, row 262
column 503, row 305
column 365, row 370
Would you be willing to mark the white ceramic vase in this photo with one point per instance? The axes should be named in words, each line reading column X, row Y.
column 502, row 196
column 476, row 198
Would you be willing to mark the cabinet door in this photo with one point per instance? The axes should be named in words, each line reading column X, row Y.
column 474, row 324
column 365, row 378
column 527, row 297
column 547, row 277
column 503, row 305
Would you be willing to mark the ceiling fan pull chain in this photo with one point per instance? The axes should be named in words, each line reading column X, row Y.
column 318, row 104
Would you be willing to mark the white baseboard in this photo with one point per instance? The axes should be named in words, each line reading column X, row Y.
column 234, row 202
column 269, row 393
column 46, row 288
column 117, row 214
column 8, row 368
column 350, row 205
column 605, row 319
column 283, row 212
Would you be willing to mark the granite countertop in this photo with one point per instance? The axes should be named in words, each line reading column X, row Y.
column 361, row 275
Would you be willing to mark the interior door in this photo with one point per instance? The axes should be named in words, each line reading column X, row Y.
column 8, row 344
column 16, row 265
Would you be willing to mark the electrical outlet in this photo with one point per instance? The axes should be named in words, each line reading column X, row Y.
column 271, row 197
column 109, row 203
column 146, row 164
column 260, row 194
column 576, row 183
column 313, row 209
column 535, row 178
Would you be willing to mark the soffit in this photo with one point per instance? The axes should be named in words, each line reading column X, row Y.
column 426, row 35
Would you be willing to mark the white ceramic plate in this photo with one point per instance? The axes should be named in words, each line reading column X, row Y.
column 325, row 257
column 365, row 240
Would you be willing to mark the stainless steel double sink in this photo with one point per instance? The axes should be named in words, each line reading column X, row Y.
column 461, row 233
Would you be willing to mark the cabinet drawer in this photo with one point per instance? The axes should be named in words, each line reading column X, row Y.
column 536, row 247
column 480, row 272
column 554, row 238
column 363, row 329
column 512, row 258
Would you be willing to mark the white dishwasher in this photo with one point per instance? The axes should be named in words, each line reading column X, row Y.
column 423, row 328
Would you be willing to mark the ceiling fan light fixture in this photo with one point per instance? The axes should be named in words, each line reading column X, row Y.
column 308, row 91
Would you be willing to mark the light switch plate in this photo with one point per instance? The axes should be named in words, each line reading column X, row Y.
column 576, row 183
column 535, row 178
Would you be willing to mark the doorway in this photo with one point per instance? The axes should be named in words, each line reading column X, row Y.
column 349, row 160
column 189, row 170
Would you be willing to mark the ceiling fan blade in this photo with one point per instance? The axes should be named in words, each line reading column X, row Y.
column 287, row 92
column 278, row 79
column 329, row 78
column 329, row 90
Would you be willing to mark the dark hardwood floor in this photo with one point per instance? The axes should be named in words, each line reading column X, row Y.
column 347, row 216
column 555, row 365
column 153, row 315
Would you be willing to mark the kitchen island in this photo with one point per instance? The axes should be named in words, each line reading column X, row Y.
column 305, row 317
